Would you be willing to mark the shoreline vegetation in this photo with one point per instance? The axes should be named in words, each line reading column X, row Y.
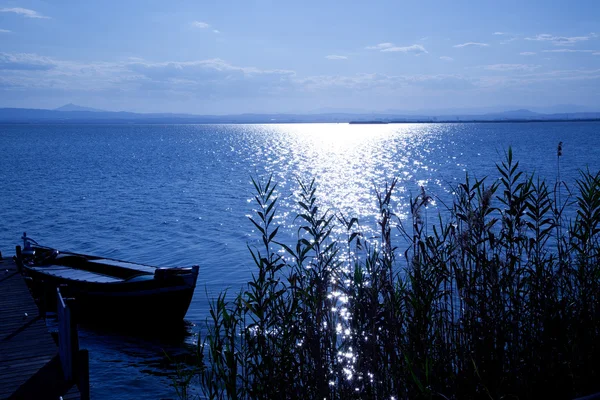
column 498, row 298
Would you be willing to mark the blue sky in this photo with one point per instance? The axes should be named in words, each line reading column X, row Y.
column 219, row 57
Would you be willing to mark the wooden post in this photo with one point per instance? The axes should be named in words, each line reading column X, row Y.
column 75, row 362
column 65, row 337
column 18, row 256
column 83, row 374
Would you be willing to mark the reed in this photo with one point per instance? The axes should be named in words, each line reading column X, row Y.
column 496, row 298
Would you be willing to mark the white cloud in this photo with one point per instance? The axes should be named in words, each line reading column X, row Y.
column 25, row 62
column 386, row 84
column 24, row 12
column 508, row 37
column 200, row 24
column 446, row 58
column 202, row 79
column 511, row 67
column 208, row 83
column 336, row 57
column 568, row 51
column 204, row 25
column 380, row 46
column 596, row 53
column 441, row 82
column 391, row 48
column 414, row 49
column 561, row 40
column 563, row 75
column 471, row 44
column 527, row 53
column 4, row 31
column 214, row 76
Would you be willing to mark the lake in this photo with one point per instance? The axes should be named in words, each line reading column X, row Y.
column 181, row 194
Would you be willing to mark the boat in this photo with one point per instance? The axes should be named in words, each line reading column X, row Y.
column 105, row 289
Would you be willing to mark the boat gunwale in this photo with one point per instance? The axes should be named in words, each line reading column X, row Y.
column 97, row 261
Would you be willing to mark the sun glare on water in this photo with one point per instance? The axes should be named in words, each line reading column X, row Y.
column 348, row 163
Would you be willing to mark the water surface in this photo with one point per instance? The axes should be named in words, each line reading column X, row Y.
column 180, row 195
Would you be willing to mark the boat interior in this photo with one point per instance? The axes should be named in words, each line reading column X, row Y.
column 74, row 266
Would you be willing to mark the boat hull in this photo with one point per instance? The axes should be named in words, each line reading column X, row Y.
column 137, row 302
column 146, row 299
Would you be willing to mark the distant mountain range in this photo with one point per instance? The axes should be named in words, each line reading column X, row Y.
column 71, row 113
column 75, row 107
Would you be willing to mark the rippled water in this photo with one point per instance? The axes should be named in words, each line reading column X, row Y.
column 180, row 194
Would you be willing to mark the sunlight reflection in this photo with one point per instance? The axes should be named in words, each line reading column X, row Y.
column 349, row 163
column 340, row 160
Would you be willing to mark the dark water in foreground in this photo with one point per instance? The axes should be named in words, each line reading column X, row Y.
column 180, row 194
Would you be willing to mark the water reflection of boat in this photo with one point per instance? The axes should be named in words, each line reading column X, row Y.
column 107, row 289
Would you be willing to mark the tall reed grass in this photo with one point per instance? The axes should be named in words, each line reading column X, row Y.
column 499, row 299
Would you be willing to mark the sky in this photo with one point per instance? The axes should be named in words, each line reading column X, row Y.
column 259, row 56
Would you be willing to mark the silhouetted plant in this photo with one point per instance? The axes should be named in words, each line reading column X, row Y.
column 498, row 298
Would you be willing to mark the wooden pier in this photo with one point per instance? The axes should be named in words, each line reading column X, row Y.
column 30, row 364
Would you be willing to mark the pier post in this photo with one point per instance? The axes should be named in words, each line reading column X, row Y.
column 66, row 340
column 83, row 374
column 18, row 256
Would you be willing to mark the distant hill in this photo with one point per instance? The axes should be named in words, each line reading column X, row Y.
column 515, row 114
column 83, row 115
column 75, row 107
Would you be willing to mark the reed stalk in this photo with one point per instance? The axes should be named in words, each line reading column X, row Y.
column 498, row 297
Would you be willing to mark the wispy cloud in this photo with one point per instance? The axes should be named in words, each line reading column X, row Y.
column 471, row 44
column 4, row 31
column 561, row 75
column 214, row 78
column 511, row 67
column 200, row 24
column 446, row 58
column 527, row 53
column 208, row 83
column 392, row 48
column 205, row 25
column 568, row 51
column 561, row 40
column 24, row 12
column 386, row 84
column 414, row 49
column 25, row 62
column 215, row 71
column 507, row 37
column 336, row 57
column 380, row 46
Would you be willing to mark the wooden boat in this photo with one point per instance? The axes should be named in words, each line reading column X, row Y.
column 107, row 289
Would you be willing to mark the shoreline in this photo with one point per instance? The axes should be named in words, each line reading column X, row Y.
column 352, row 122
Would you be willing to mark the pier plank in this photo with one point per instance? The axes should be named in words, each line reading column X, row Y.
column 29, row 365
